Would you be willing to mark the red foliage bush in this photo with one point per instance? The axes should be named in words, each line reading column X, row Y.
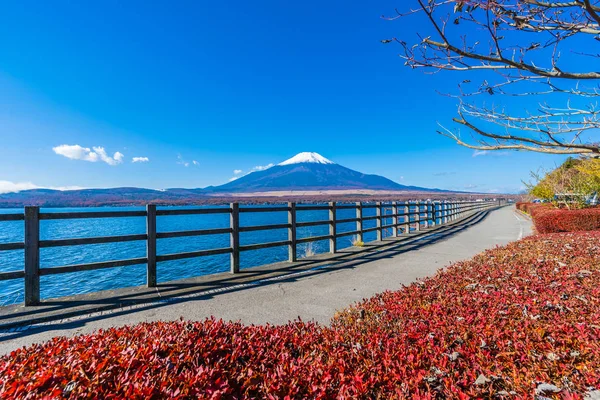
column 513, row 322
column 521, row 204
column 548, row 219
column 533, row 208
column 568, row 220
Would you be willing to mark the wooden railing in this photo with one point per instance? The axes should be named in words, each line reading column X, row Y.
column 415, row 216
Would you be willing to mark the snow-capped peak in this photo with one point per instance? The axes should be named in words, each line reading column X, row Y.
column 307, row 157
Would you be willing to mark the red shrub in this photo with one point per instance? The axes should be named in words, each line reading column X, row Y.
column 548, row 219
column 533, row 208
column 568, row 220
column 511, row 319
column 521, row 205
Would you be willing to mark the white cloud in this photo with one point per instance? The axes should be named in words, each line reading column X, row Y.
column 239, row 173
column 118, row 157
column 114, row 160
column 185, row 163
column 180, row 161
column 261, row 167
column 77, row 152
column 13, row 187
column 140, row 159
column 478, row 153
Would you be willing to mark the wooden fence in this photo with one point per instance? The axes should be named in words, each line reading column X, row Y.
column 415, row 216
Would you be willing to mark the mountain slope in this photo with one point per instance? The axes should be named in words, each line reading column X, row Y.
column 310, row 171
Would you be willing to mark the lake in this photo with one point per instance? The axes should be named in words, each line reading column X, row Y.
column 11, row 291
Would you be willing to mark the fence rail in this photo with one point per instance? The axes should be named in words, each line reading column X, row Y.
column 406, row 217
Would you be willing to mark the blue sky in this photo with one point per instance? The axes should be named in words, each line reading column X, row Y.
column 230, row 85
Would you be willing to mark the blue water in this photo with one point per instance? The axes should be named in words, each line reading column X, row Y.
column 91, row 281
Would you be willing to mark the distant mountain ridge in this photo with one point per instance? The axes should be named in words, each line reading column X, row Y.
column 304, row 172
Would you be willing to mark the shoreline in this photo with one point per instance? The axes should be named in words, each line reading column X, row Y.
column 257, row 198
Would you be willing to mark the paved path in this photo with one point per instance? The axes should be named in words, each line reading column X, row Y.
column 314, row 296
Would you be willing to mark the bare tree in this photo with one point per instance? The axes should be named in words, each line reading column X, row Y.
column 515, row 49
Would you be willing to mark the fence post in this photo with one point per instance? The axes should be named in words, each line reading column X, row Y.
column 359, row 222
column 433, row 215
column 418, row 216
column 395, row 219
column 445, row 212
column 406, row 217
column 332, row 228
column 151, row 245
column 428, row 216
column 32, row 255
column 292, row 251
column 430, row 206
column 378, row 220
column 234, row 237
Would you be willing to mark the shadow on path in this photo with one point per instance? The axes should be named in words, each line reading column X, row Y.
column 71, row 313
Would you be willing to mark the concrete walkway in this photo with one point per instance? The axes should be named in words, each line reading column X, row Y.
column 313, row 294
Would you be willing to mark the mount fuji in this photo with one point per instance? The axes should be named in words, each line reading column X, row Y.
column 308, row 172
